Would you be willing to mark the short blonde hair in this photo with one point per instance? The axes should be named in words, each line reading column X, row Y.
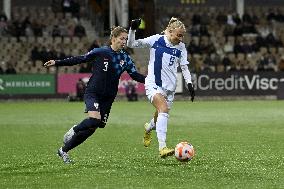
column 175, row 23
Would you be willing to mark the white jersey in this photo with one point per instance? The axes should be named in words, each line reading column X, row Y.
column 164, row 59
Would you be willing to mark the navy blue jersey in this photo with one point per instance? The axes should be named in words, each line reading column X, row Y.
column 107, row 67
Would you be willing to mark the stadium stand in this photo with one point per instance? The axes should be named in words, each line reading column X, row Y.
column 35, row 34
column 218, row 39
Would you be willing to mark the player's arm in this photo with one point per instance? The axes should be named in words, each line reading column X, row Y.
column 132, row 71
column 186, row 73
column 137, row 77
column 187, row 78
column 139, row 43
column 72, row 60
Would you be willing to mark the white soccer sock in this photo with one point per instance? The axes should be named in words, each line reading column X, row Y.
column 161, row 129
column 151, row 126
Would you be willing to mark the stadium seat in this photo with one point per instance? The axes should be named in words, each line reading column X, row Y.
column 31, row 39
column 58, row 40
column 263, row 50
column 66, row 40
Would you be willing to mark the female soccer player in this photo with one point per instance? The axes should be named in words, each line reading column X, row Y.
column 108, row 63
column 166, row 53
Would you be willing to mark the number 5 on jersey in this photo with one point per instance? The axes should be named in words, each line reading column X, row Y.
column 172, row 60
column 106, row 65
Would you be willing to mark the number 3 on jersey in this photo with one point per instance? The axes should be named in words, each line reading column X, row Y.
column 172, row 61
column 106, row 65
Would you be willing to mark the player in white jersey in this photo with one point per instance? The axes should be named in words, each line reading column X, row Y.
column 167, row 52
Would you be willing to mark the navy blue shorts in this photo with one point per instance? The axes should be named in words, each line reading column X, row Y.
column 99, row 103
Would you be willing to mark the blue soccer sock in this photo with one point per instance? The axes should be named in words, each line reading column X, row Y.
column 77, row 139
column 87, row 124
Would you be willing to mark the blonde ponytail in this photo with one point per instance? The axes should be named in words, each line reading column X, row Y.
column 174, row 23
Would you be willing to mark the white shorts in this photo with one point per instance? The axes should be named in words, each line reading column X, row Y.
column 152, row 89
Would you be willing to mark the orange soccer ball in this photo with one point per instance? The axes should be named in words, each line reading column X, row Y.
column 184, row 151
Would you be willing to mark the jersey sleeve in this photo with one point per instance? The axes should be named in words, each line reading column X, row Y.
column 78, row 59
column 140, row 43
column 184, row 65
column 132, row 71
column 183, row 58
column 186, row 74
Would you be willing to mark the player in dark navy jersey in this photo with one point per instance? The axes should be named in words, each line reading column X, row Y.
column 108, row 63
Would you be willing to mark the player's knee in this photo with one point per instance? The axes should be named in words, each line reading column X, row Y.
column 94, row 123
column 163, row 109
column 102, row 124
column 93, row 129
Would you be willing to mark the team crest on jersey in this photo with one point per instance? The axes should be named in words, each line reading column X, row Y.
column 96, row 105
column 121, row 62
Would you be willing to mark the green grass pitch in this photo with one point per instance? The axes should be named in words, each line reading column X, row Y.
column 239, row 144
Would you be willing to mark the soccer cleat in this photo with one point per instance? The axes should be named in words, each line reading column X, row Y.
column 147, row 136
column 64, row 155
column 67, row 137
column 165, row 152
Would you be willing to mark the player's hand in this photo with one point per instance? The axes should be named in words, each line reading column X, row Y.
column 135, row 23
column 49, row 63
column 191, row 91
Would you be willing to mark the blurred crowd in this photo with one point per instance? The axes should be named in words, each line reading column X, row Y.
column 218, row 39
column 44, row 21
column 36, row 34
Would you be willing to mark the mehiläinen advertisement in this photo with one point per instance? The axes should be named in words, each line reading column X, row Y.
column 237, row 83
column 27, row 84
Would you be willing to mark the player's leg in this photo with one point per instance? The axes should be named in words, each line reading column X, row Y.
column 93, row 103
column 152, row 124
column 161, row 105
column 151, row 90
column 148, row 127
column 79, row 133
column 90, row 125
column 77, row 139
column 93, row 121
column 105, row 108
column 97, row 119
